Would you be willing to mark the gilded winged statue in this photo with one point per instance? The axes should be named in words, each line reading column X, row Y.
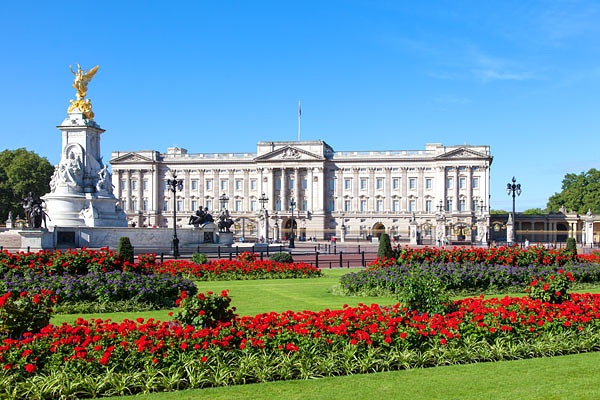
column 82, row 78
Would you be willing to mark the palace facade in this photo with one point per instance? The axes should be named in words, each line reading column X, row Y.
column 362, row 193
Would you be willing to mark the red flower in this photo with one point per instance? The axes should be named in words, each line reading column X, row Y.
column 30, row 368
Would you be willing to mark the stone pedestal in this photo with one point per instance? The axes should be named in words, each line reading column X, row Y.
column 343, row 234
column 510, row 227
column 412, row 232
column 81, row 189
column 225, row 238
column 263, row 226
column 36, row 239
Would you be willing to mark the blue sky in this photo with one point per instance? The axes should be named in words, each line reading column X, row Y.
column 522, row 77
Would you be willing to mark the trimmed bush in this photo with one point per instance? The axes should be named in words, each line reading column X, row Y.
column 424, row 293
column 125, row 249
column 204, row 310
column 385, row 247
column 282, row 257
column 199, row 258
column 25, row 312
column 572, row 245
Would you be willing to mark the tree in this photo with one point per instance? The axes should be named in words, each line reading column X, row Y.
column 385, row 247
column 534, row 211
column 579, row 193
column 498, row 212
column 21, row 172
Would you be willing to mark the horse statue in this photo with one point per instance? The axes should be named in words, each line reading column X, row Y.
column 225, row 222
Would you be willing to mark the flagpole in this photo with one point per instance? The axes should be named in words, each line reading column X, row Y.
column 299, row 115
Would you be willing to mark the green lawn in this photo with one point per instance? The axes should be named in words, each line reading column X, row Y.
column 566, row 377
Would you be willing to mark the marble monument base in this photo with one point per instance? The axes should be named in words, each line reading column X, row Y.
column 83, row 209
column 36, row 239
column 225, row 238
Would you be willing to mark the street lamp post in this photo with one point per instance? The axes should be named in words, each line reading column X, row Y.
column 223, row 199
column 515, row 190
column 292, row 205
column 175, row 185
column 263, row 199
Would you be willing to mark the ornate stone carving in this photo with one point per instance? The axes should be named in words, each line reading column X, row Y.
column 290, row 152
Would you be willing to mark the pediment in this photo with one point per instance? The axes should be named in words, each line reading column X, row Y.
column 289, row 153
column 130, row 157
column 462, row 153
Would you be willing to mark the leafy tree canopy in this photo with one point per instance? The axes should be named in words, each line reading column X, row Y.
column 579, row 193
column 21, row 172
column 498, row 212
column 534, row 211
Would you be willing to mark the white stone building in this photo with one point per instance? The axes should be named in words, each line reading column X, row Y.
column 365, row 191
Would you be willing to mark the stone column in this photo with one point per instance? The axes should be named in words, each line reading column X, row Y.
column 310, row 187
column 270, row 188
column 216, row 188
column 404, row 187
column 284, row 190
column 231, row 189
column 387, row 185
column 246, row 191
column 156, row 195
column 371, row 200
column 201, row 188
column 141, row 196
column 440, row 185
column 456, row 189
column 420, row 189
column 118, row 175
column 186, row 190
column 297, row 188
column 339, row 192
column 355, row 187
column 128, row 190
column 320, row 188
column 469, row 189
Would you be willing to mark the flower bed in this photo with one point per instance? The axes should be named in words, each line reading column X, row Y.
column 156, row 290
column 72, row 262
column 103, row 357
column 385, row 277
column 243, row 267
column 504, row 255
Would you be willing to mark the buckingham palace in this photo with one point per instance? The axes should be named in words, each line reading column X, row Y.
column 318, row 191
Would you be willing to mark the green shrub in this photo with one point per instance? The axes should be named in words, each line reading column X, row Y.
column 25, row 312
column 282, row 257
column 204, row 310
column 385, row 247
column 424, row 293
column 552, row 289
column 199, row 258
column 125, row 249
column 571, row 245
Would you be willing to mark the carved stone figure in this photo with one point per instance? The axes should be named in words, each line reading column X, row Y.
column 34, row 212
column 201, row 217
column 104, row 183
column 225, row 222
column 70, row 172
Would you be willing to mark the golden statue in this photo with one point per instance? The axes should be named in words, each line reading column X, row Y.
column 82, row 78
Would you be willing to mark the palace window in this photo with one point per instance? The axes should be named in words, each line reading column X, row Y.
column 252, row 205
column 363, row 184
column 475, row 205
column 428, row 183
column 448, row 183
column 379, row 205
column 461, row 205
column 304, row 205
column 395, row 183
column 252, row 184
column 412, row 205
column 238, row 184
column 145, row 184
column 194, row 205
column 124, row 183
column 209, row 185
column 331, row 184
column 395, row 205
column 278, row 183
column 412, row 183
column 347, row 205
column 133, row 205
column 209, row 204
column 179, row 205
column 363, row 205
column 223, row 184
column 462, row 182
column 145, row 204
column 475, row 183
column 238, row 205
column 331, row 205
column 133, row 185
column 304, row 183
column 347, row 184
column 291, row 183
column 165, row 205
column 278, row 205
column 449, row 205
column 428, row 205
column 379, row 183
